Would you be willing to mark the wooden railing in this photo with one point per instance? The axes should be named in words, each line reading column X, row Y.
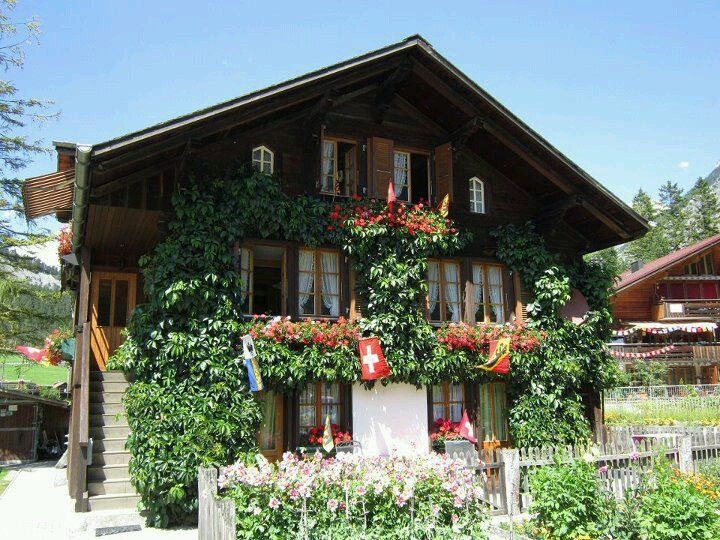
column 688, row 309
column 79, row 447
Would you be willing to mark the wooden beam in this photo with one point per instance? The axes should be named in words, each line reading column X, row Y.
column 552, row 213
column 421, row 115
column 389, row 87
column 608, row 220
column 444, row 89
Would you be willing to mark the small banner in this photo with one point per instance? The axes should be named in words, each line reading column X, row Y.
column 372, row 360
column 444, row 207
column 499, row 357
column 467, row 430
column 328, row 443
column 31, row 353
column 253, row 368
column 391, row 198
column 647, row 354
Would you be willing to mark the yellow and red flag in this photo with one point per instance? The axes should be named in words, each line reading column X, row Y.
column 444, row 207
column 328, row 443
column 499, row 357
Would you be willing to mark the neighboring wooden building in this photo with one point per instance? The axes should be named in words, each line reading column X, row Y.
column 673, row 300
column 401, row 112
column 25, row 420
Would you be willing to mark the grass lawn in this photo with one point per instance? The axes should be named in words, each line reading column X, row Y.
column 30, row 371
column 3, row 480
column 691, row 410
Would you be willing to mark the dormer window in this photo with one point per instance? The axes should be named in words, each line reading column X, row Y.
column 263, row 159
column 477, row 195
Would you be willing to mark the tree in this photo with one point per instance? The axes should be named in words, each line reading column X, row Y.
column 655, row 243
column 23, row 306
column 703, row 212
column 671, row 219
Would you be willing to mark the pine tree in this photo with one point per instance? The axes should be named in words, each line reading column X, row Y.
column 654, row 244
column 671, row 219
column 703, row 212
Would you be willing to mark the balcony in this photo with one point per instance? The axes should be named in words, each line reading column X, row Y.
column 688, row 310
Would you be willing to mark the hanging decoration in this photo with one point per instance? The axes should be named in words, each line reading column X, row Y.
column 444, row 207
column 254, row 378
column 328, row 442
column 662, row 330
column 467, row 430
column 372, row 360
column 391, row 198
column 499, row 357
column 649, row 354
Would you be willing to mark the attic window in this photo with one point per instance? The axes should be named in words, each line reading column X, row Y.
column 477, row 195
column 703, row 267
column 263, row 159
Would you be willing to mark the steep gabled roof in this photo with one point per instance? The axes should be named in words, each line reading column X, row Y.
column 628, row 279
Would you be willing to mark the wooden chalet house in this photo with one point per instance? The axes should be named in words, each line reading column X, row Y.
column 672, row 305
column 402, row 112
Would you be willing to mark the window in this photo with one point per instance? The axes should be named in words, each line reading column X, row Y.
column 113, row 302
column 477, row 195
column 492, row 412
column 443, row 302
column 318, row 400
column 703, row 267
column 263, row 159
column 448, row 401
column 319, row 283
column 262, row 274
column 401, row 176
column 339, row 167
column 488, row 293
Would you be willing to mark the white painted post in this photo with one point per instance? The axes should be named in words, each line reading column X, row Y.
column 685, row 458
column 510, row 458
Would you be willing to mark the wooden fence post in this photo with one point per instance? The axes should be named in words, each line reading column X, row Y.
column 510, row 458
column 216, row 518
column 685, row 455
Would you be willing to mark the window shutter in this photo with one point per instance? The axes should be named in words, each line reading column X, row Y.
column 381, row 161
column 357, row 302
column 444, row 171
column 522, row 299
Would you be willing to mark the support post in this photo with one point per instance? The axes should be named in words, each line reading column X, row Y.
column 510, row 458
column 685, row 457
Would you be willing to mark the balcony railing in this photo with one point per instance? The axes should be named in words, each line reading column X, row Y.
column 666, row 393
column 671, row 310
column 682, row 354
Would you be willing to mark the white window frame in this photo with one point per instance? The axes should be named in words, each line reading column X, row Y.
column 477, row 203
column 266, row 156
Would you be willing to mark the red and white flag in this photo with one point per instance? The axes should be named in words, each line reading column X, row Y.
column 391, row 198
column 31, row 353
column 372, row 360
column 467, row 430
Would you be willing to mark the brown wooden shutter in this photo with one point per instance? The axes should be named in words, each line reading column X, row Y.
column 381, row 166
column 522, row 299
column 357, row 302
column 443, row 171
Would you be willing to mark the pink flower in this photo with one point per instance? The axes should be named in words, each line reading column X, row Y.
column 454, row 518
column 603, row 469
column 274, row 503
column 635, row 456
column 360, row 490
column 294, row 494
column 400, row 501
column 332, row 505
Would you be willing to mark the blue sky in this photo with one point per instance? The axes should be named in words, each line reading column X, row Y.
column 628, row 90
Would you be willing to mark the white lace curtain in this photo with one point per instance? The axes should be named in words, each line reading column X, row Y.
column 478, row 284
column 433, row 285
column 330, row 286
column 307, row 279
column 452, row 291
column 495, row 289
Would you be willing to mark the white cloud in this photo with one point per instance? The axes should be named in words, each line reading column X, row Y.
column 47, row 252
column 684, row 164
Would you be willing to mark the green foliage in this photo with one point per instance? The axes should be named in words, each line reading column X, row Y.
column 570, row 502
column 547, row 381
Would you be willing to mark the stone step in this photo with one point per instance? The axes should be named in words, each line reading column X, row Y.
column 101, row 386
column 106, row 408
column 121, row 457
column 109, row 444
column 99, row 420
column 106, row 397
column 118, row 486
column 100, row 473
column 113, row 502
column 112, row 432
column 109, row 376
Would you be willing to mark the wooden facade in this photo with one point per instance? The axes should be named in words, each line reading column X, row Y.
column 355, row 123
column 674, row 300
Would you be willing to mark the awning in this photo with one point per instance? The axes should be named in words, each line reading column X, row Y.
column 48, row 194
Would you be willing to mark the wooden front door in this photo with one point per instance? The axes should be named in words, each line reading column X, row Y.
column 112, row 303
column 270, row 435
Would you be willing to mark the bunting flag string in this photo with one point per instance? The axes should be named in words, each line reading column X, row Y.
column 662, row 330
column 649, row 354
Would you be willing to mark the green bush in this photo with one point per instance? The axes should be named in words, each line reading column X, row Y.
column 570, row 501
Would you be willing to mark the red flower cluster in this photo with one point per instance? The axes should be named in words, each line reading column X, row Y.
column 53, row 352
column 65, row 237
column 477, row 338
column 445, row 430
column 316, row 435
column 324, row 333
column 415, row 219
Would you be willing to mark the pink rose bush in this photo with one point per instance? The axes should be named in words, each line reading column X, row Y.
column 384, row 497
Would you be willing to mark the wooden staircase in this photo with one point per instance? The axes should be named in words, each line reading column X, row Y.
column 108, row 479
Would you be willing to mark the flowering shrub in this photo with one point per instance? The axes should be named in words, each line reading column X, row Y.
column 324, row 333
column 444, row 430
column 53, row 343
column 477, row 338
column 378, row 497
column 64, row 237
column 315, row 436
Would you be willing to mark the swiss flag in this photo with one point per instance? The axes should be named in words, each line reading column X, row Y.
column 372, row 359
column 467, row 430
column 391, row 198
